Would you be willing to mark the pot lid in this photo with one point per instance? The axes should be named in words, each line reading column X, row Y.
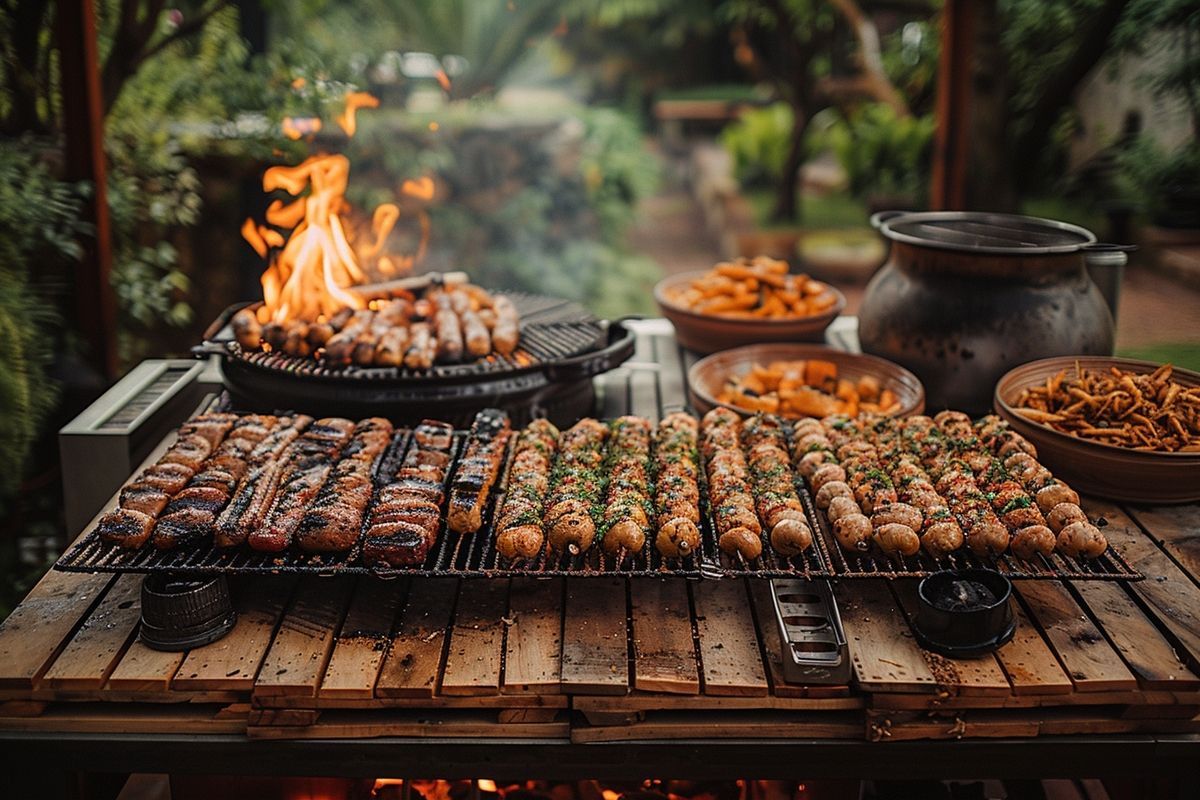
column 975, row 232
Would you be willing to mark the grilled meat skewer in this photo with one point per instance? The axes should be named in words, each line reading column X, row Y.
column 738, row 529
column 676, row 491
column 577, row 485
column 519, row 524
column 627, row 502
column 773, row 484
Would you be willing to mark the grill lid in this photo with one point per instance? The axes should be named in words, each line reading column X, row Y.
column 975, row 232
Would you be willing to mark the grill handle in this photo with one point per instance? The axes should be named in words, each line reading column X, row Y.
column 619, row 349
column 210, row 333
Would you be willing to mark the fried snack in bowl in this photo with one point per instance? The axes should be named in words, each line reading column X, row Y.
column 758, row 288
column 803, row 380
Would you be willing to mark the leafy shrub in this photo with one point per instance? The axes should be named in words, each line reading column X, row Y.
column 758, row 141
column 39, row 226
column 883, row 153
column 1165, row 184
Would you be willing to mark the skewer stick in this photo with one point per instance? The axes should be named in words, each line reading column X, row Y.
column 412, row 283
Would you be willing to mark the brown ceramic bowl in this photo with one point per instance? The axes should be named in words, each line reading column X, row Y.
column 707, row 376
column 1105, row 470
column 708, row 333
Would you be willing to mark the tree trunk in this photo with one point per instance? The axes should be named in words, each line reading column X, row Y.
column 787, row 205
column 991, row 182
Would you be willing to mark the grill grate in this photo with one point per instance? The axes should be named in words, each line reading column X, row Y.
column 551, row 330
column 475, row 555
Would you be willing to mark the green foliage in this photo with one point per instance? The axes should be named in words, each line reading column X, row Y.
column 39, row 233
column 758, row 141
column 1164, row 183
column 882, row 152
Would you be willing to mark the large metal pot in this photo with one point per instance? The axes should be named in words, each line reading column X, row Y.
column 964, row 297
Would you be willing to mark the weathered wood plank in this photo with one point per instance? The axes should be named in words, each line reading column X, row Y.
column 959, row 676
column 93, row 652
column 295, row 663
column 231, row 663
column 142, row 669
column 414, row 660
column 595, row 649
column 1177, row 528
column 37, row 630
column 1029, row 663
column 1169, row 594
column 664, row 650
column 477, row 639
column 363, row 641
column 533, row 646
column 886, row 657
column 1146, row 651
column 729, row 653
column 1090, row 662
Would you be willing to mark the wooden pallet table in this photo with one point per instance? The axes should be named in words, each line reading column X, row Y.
column 581, row 661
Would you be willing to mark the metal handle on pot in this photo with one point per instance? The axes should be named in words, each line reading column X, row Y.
column 1106, row 266
column 591, row 364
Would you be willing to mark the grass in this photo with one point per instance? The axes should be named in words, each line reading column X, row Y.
column 1182, row 354
column 828, row 211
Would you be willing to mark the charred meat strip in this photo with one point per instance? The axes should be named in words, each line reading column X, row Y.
column 333, row 522
column 519, row 523
column 478, row 470
column 628, row 507
column 132, row 522
column 738, row 529
column 407, row 513
column 774, row 485
column 191, row 514
column 676, row 487
column 577, row 486
column 308, row 463
column 256, row 490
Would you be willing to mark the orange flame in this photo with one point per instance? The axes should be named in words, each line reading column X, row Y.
column 354, row 101
column 311, row 267
column 486, row 785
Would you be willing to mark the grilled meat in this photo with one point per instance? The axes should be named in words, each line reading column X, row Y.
column 407, row 513
column 308, row 463
column 738, row 529
column 519, row 523
column 577, row 486
column 628, row 507
column 333, row 522
column 676, row 491
column 477, row 470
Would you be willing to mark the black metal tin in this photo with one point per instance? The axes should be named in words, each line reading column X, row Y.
column 971, row 631
column 181, row 612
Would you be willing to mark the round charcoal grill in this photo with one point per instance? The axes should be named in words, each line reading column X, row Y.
column 562, row 348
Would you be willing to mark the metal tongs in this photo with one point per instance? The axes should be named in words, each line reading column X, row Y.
column 813, row 643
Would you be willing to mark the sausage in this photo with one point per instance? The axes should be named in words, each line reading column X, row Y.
column 676, row 490
column 246, row 329
column 519, row 524
column 825, row 474
column 628, row 494
column 506, row 329
column 478, row 470
column 1050, row 496
column 901, row 513
column 568, row 519
column 420, row 353
column 392, row 347
column 841, row 507
column 741, row 541
column 790, row 536
column 941, row 538
column 449, row 331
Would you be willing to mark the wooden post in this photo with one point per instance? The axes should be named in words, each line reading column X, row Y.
column 83, row 131
column 951, row 142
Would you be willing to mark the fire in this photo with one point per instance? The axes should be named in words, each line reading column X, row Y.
column 312, row 265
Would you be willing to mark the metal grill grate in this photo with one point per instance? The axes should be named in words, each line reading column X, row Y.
column 551, row 330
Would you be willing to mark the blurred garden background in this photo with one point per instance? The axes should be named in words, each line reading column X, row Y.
column 581, row 148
